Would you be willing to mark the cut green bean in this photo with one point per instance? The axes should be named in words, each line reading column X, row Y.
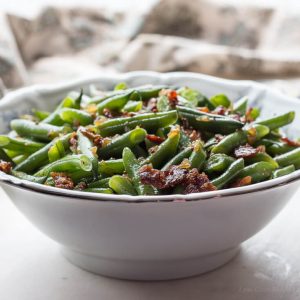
column 218, row 163
column 111, row 167
column 198, row 156
column 129, row 139
column 122, row 185
column 69, row 165
column 279, row 121
column 233, row 170
column 24, row 176
column 258, row 172
column 149, row 121
column 284, row 171
column 177, row 159
column 262, row 156
column 289, row 158
column 74, row 116
column 42, row 132
column 101, row 183
column 166, row 149
column 132, row 167
column 19, row 145
column 240, row 106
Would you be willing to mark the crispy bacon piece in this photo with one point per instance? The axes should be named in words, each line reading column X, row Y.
column 5, row 166
column 107, row 113
column 192, row 180
column 219, row 137
column 81, row 186
column 172, row 96
column 245, row 151
column 204, row 109
column 192, row 134
column 151, row 105
column 219, row 110
column 242, row 182
column 62, row 181
column 73, row 142
column 95, row 138
column 290, row 142
column 154, row 138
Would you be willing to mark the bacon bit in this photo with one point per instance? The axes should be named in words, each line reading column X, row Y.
column 154, row 138
column 96, row 138
column 62, row 181
column 193, row 134
column 242, row 182
column 73, row 142
column 172, row 96
column 107, row 113
column 245, row 151
column 151, row 105
column 153, row 149
column 220, row 110
column 91, row 109
column 248, row 117
column 5, row 166
column 81, row 186
column 204, row 109
column 290, row 142
column 100, row 120
column 192, row 180
column 261, row 148
column 219, row 137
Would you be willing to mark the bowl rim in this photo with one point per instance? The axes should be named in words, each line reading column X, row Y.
column 48, row 88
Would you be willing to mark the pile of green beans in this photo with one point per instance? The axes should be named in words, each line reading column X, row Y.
column 100, row 144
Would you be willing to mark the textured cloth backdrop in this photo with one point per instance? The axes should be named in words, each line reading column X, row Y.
column 194, row 35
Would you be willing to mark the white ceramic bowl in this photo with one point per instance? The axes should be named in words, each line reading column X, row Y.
column 153, row 237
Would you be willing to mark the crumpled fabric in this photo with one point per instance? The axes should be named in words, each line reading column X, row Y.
column 219, row 39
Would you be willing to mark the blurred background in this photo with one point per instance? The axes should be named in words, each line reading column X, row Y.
column 43, row 41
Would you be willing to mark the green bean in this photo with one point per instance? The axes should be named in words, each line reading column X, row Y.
column 133, row 106
column 284, row 171
column 40, row 158
column 129, row 139
column 56, row 151
column 20, row 158
column 198, row 155
column 139, row 151
column 54, row 117
column 98, row 190
column 102, row 183
column 231, row 141
column 220, row 100
column 122, row 185
column 27, row 177
column 116, row 102
column 258, row 172
column 279, row 148
column 148, row 92
column 177, row 159
column 74, row 116
column 289, row 158
column 18, row 144
column 41, row 115
column 132, row 167
column 208, row 122
column 86, row 147
column 42, row 132
column 262, row 156
column 279, row 121
column 240, row 137
column 69, row 165
column 193, row 96
column 5, row 157
column 111, row 167
column 218, row 163
column 166, row 149
column 149, row 121
column 240, row 106
column 232, row 171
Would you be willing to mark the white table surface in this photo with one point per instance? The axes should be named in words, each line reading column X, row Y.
column 267, row 268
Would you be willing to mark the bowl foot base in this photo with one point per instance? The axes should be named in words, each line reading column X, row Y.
column 149, row 270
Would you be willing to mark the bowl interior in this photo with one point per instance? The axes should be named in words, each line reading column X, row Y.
column 46, row 97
